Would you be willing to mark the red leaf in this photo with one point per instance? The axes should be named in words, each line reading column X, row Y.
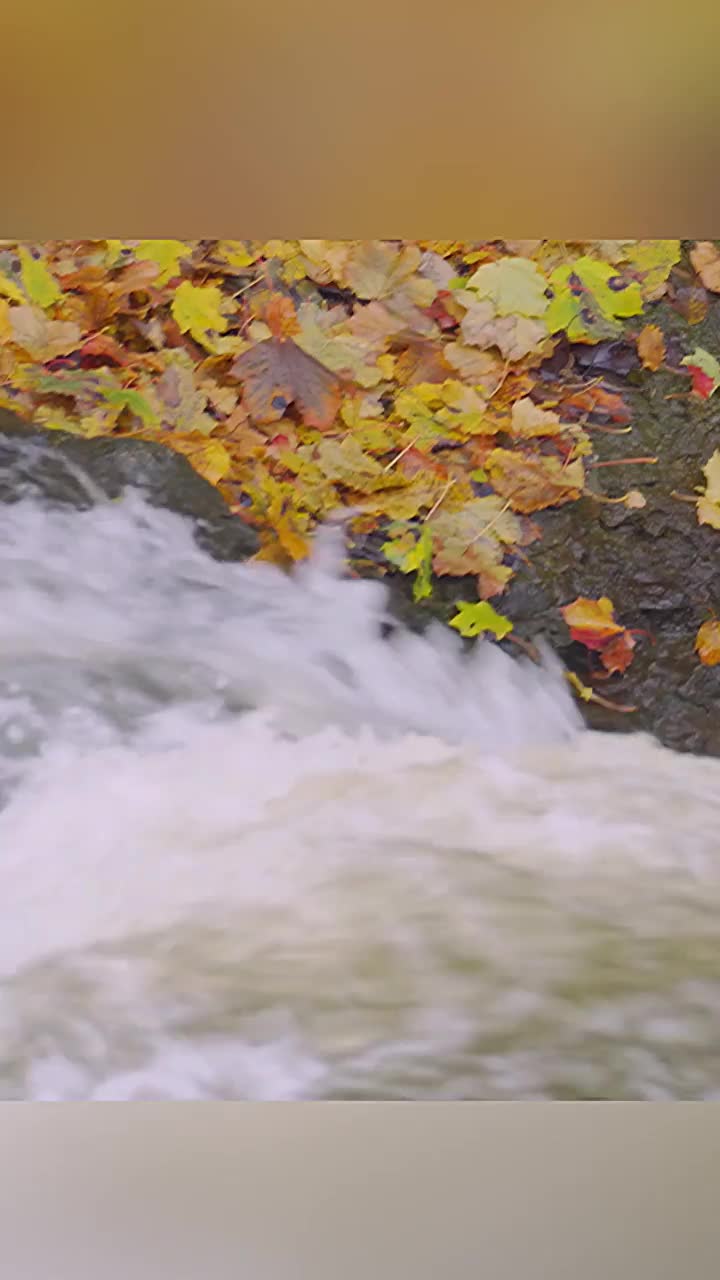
column 617, row 654
column 702, row 384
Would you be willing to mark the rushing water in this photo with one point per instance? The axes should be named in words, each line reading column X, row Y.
column 249, row 848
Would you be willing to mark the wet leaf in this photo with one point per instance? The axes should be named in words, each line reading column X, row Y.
column 707, row 643
column 591, row 622
column 197, row 310
column 167, row 254
column 474, row 619
column 39, row 283
column 705, row 371
column 617, row 654
column 276, row 374
column 708, row 506
column 651, row 347
column 532, row 483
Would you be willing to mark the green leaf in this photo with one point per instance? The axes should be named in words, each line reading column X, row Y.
column 125, row 398
column 168, row 255
column 40, row 286
column 472, row 619
column 411, row 555
column 197, row 310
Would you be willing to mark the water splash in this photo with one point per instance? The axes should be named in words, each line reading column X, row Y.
column 251, row 848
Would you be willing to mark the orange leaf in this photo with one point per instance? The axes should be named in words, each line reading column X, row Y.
column 651, row 347
column 617, row 654
column 591, row 622
column 277, row 373
column 707, row 643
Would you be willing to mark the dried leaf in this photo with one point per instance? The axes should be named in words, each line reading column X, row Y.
column 705, row 258
column 40, row 338
column 617, row 654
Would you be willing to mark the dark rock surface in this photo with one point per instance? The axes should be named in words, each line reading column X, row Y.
column 67, row 470
column 660, row 567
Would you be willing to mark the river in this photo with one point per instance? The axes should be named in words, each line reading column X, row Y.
column 252, row 849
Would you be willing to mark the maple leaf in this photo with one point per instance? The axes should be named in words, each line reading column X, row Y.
column 589, row 298
column 211, row 460
column 591, row 622
column 474, row 619
column 708, row 506
column 707, row 643
column 483, row 369
column 344, row 462
column 39, row 283
column 184, row 406
column 529, row 420
column 412, row 555
column 705, row 371
column 651, row 347
column 278, row 373
column 467, row 541
column 534, row 483
column 513, row 286
column 705, row 258
column 376, row 268
column 514, row 336
column 40, row 338
column 197, row 310
column 167, row 254
column 652, row 261
column 617, row 654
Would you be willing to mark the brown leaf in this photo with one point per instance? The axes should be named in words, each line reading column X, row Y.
column 40, row 338
column 651, row 347
column 534, row 483
column 277, row 373
column 706, row 261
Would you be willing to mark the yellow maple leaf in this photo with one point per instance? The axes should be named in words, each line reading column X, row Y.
column 197, row 310
column 707, row 643
column 514, row 286
column 39, row 283
column 168, row 254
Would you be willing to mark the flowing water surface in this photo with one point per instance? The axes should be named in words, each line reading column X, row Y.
column 252, row 849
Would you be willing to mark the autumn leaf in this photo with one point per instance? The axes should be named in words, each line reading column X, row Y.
column 42, row 339
column 652, row 261
column 651, row 347
column 413, row 555
column 473, row 619
column 277, row 373
column 376, row 268
column 529, row 420
column 591, row 622
column 705, row 371
column 211, row 460
column 39, row 283
column 617, row 654
column 513, row 286
column 197, row 310
column 168, row 254
column 708, row 505
column 705, row 258
column 589, row 298
column 707, row 643
column 534, row 483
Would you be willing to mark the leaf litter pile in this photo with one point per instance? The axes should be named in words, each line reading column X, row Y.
column 397, row 380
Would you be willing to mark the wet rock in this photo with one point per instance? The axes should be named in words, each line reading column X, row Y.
column 67, row 470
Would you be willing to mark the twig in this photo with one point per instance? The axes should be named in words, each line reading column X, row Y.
column 682, row 497
column 621, row 462
column 402, row 453
column 442, row 497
